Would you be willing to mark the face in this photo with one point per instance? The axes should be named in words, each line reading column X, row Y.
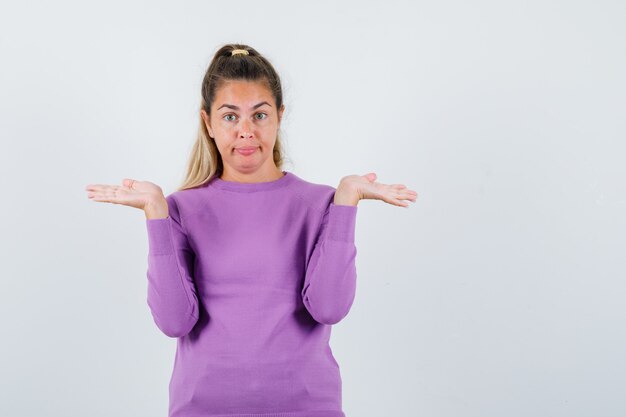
column 244, row 123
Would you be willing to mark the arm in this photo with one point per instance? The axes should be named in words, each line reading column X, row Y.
column 172, row 295
column 330, row 279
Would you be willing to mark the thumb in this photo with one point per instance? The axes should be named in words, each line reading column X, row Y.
column 128, row 182
column 371, row 177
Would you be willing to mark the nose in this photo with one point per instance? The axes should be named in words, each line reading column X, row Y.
column 245, row 130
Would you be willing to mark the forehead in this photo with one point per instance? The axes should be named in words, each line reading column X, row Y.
column 242, row 92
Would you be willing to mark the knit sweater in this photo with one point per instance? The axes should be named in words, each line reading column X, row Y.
column 249, row 278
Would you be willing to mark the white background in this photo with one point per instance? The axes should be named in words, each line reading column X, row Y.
column 500, row 292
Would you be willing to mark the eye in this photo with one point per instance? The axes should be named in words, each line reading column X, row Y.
column 229, row 115
column 264, row 114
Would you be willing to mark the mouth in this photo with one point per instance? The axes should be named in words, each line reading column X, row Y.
column 246, row 150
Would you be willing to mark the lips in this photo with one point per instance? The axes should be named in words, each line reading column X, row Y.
column 246, row 150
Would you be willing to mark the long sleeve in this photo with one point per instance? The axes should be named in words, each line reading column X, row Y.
column 172, row 294
column 330, row 279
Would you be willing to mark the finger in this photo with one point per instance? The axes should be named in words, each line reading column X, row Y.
column 404, row 195
column 400, row 203
column 90, row 187
column 403, row 203
column 403, row 187
column 394, row 199
column 408, row 195
column 100, row 187
column 109, row 194
column 405, row 191
column 100, row 197
column 96, row 188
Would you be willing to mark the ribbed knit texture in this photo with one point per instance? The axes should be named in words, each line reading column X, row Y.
column 250, row 277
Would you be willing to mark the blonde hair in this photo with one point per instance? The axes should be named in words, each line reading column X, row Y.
column 205, row 160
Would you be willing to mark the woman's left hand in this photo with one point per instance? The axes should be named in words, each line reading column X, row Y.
column 353, row 188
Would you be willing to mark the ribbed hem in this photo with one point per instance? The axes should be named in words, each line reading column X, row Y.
column 159, row 236
column 250, row 187
column 318, row 413
column 341, row 222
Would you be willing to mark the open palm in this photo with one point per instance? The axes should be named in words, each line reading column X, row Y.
column 367, row 188
column 131, row 193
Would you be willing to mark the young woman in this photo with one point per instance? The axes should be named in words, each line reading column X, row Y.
column 249, row 265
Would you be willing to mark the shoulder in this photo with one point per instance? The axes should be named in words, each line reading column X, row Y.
column 315, row 195
column 187, row 201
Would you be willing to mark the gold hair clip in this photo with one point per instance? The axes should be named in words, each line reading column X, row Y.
column 239, row 51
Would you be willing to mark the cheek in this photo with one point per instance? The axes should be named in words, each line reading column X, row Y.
column 224, row 146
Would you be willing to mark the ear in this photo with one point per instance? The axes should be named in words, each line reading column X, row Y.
column 207, row 122
column 280, row 113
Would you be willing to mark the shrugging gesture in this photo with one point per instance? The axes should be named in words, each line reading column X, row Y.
column 143, row 195
column 353, row 188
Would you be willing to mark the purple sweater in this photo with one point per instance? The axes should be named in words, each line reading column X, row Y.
column 249, row 277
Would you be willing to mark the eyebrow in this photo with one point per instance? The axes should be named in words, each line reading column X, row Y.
column 256, row 106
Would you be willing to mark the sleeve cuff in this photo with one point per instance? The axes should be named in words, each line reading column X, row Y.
column 341, row 222
column 159, row 236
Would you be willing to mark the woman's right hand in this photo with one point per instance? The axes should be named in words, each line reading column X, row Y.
column 143, row 195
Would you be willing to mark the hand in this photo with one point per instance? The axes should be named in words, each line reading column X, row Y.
column 143, row 195
column 353, row 188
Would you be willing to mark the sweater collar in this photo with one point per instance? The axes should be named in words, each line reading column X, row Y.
column 246, row 187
